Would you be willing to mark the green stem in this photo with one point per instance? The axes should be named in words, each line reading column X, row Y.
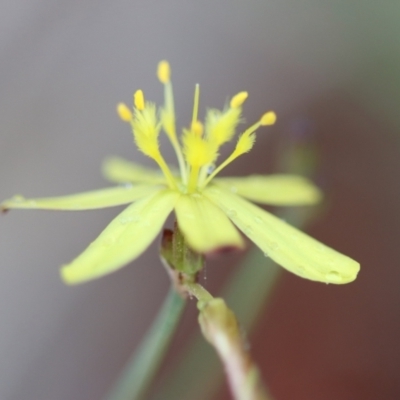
column 198, row 291
column 143, row 365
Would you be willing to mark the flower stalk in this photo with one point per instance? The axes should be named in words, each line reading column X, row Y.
column 221, row 329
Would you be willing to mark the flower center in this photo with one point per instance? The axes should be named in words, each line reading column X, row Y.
column 197, row 152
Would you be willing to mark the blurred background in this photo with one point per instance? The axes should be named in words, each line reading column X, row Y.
column 331, row 71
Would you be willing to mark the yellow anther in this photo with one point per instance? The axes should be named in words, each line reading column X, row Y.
column 138, row 100
column 238, row 99
column 197, row 128
column 124, row 112
column 164, row 71
column 269, row 118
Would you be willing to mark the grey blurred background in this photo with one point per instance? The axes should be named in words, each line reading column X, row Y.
column 63, row 67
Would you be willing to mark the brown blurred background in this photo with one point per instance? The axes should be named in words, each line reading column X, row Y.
column 64, row 66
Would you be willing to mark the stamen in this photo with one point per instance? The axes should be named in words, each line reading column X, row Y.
column 197, row 130
column 221, row 126
column 146, row 128
column 244, row 144
column 198, row 153
column 124, row 112
column 168, row 114
column 138, row 100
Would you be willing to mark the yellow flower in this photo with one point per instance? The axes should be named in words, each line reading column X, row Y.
column 207, row 208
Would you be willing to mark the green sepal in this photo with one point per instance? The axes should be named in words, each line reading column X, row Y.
column 182, row 263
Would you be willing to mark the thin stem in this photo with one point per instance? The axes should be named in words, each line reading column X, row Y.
column 198, row 291
column 144, row 363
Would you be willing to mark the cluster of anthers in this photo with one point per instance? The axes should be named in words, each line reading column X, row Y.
column 200, row 143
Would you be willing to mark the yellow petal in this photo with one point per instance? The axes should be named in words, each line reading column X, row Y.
column 116, row 169
column 84, row 201
column 278, row 189
column 286, row 245
column 123, row 240
column 204, row 225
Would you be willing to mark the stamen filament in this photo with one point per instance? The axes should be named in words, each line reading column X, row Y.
column 193, row 178
column 181, row 161
column 196, row 104
column 203, row 174
column 169, row 106
column 166, row 171
column 194, row 169
column 221, row 167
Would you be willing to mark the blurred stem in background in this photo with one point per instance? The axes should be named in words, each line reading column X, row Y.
column 143, row 365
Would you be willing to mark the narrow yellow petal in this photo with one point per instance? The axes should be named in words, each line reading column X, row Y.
column 286, row 245
column 204, row 226
column 118, row 170
column 123, row 240
column 102, row 198
column 278, row 189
